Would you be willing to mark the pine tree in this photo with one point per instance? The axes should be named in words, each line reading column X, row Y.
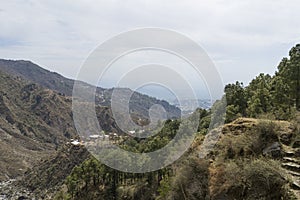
column 281, row 101
column 259, row 96
column 236, row 101
column 289, row 71
column 294, row 66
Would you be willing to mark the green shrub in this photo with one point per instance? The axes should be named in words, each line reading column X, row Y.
column 191, row 181
column 253, row 179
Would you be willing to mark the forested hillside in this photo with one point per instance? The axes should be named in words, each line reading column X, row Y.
column 255, row 158
column 277, row 96
column 257, row 155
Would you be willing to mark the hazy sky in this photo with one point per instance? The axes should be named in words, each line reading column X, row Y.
column 243, row 38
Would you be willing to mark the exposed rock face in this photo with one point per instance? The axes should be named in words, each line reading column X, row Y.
column 291, row 163
column 42, row 181
column 273, row 150
column 267, row 145
column 34, row 122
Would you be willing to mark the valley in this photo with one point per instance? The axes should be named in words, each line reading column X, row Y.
column 253, row 155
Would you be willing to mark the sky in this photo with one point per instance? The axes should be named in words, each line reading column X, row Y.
column 243, row 38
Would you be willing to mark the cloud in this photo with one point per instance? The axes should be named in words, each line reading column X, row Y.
column 243, row 37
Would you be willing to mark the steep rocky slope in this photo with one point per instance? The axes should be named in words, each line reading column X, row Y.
column 36, row 116
column 26, row 134
column 34, row 122
column 253, row 159
column 44, row 179
column 32, row 72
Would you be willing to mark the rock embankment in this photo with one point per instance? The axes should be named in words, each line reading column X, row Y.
column 291, row 163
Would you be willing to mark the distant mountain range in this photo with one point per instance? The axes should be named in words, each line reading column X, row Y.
column 36, row 115
column 189, row 105
column 139, row 103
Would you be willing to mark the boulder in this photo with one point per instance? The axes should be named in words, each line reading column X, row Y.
column 273, row 150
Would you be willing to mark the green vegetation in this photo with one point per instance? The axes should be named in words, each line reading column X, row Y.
column 240, row 167
column 155, row 142
column 277, row 96
column 249, row 179
column 93, row 180
column 255, row 157
column 245, row 163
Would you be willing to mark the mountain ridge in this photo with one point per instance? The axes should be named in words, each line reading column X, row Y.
column 36, row 117
column 34, row 122
column 54, row 81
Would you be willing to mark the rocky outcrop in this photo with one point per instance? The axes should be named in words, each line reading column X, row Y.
column 291, row 163
column 273, row 150
column 43, row 180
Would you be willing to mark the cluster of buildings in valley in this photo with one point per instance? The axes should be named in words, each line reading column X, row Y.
column 97, row 139
column 92, row 139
